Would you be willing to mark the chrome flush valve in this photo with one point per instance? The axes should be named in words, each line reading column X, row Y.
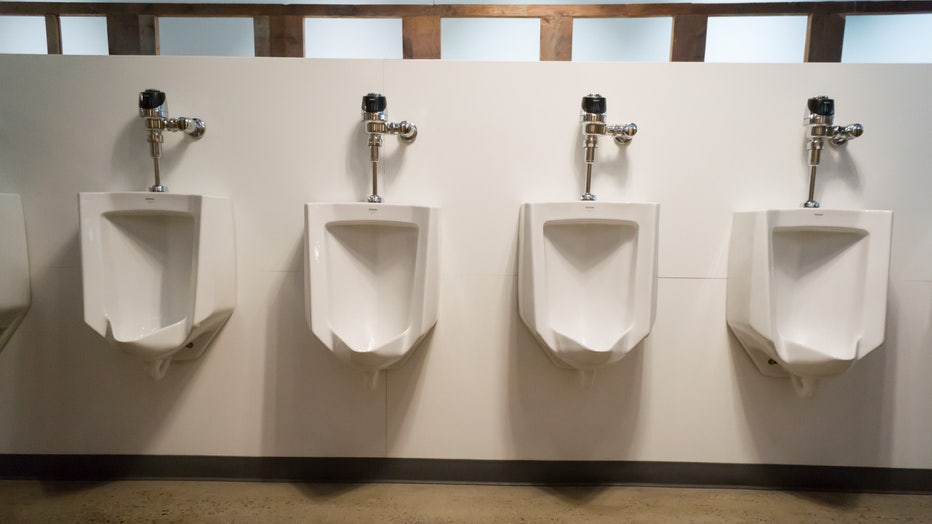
column 594, row 126
column 373, row 116
column 154, row 109
column 819, row 122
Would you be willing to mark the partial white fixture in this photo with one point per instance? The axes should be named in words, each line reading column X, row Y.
column 371, row 280
column 807, row 289
column 14, row 266
column 159, row 272
column 587, row 279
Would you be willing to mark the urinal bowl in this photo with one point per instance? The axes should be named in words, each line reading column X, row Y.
column 807, row 289
column 159, row 272
column 587, row 278
column 14, row 267
column 371, row 279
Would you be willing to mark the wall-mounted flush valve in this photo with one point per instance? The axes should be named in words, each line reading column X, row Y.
column 373, row 116
column 819, row 122
column 594, row 126
column 154, row 109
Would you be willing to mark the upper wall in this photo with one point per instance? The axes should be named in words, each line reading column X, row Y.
column 713, row 139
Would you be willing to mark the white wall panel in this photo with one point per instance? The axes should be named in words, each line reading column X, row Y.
column 756, row 39
column 714, row 138
column 622, row 39
column 499, row 39
column 888, row 38
column 23, row 35
column 84, row 35
column 352, row 38
column 206, row 36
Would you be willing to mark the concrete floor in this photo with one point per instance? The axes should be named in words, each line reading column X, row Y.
column 191, row 501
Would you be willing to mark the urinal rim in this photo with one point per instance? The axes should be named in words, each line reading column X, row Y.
column 424, row 218
column 647, row 214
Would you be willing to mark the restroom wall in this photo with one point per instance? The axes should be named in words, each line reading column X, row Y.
column 713, row 139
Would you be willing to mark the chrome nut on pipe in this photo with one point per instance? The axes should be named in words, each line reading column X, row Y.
column 623, row 134
column 407, row 131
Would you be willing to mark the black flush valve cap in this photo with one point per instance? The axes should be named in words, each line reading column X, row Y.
column 151, row 99
column 822, row 106
column 594, row 104
column 374, row 103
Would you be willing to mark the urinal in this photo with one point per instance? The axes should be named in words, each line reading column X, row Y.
column 371, row 280
column 14, row 266
column 587, row 270
column 807, row 289
column 587, row 279
column 159, row 272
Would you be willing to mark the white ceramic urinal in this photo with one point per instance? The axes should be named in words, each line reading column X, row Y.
column 587, row 279
column 807, row 289
column 371, row 280
column 14, row 266
column 159, row 272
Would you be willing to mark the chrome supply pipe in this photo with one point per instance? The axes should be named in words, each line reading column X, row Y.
column 373, row 116
column 594, row 126
column 820, row 126
column 153, row 107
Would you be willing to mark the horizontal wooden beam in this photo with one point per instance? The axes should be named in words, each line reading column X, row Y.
column 469, row 10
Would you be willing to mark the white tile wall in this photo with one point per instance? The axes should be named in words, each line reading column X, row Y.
column 713, row 138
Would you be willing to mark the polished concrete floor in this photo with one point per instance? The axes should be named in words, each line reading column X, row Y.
column 190, row 501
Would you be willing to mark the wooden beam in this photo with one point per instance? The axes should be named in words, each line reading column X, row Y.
column 556, row 38
column 469, row 10
column 286, row 36
column 53, row 34
column 123, row 34
column 262, row 35
column 149, row 35
column 420, row 37
column 689, row 32
column 825, row 36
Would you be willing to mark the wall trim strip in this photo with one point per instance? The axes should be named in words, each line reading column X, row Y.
column 358, row 470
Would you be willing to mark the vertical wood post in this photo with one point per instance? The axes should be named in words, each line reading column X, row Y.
column 286, row 35
column 133, row 34
column 556, row 38
column 260, row 30
column 825, row 36
column 420, row 37
column 689, row 33
column 148, row 35
column 53, row 34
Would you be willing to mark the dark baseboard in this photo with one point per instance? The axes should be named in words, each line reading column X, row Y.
column 361, row 470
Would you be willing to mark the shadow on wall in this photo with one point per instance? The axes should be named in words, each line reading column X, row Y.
column 846, row 423
column 553, row 416
column 84, row 396
column 313, row 404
